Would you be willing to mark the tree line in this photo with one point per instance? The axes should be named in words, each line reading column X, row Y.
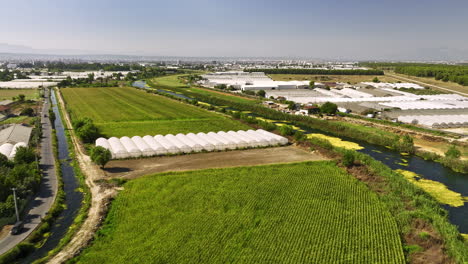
column 318, row 71
column 21, row 173
column 443, row 72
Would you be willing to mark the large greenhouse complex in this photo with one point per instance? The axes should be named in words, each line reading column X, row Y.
column 147, row 146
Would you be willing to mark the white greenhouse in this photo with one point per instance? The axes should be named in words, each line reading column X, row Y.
column 158, row 145
column 193, row 144
column 132, row 149
column 6, row 149
column 118, row 150
column 169, row 146
column 230, row 144
column 145, row 149
column 199, row 140
column 181, row 145
column 218, row 145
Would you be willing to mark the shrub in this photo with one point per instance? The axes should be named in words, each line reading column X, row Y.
column 101, row 156
column 286, row 130
column 348, row 158
column 329, row 108
column 453, row 152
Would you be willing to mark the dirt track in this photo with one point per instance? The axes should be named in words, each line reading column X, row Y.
column 139, row 167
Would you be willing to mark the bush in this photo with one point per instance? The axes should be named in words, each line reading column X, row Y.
column 453, row 152
column 329, row 108
column 299, row 136
column 100, row 156
column 86, row 130
column 27, row 112
column 348, row 158
column 24, row 156
column 286, row 130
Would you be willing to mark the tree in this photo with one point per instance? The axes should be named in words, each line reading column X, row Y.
column 27, row 112
column 311, row 84
column 21, row 97
column 376, row 80
column 101, row 156
column 86, row 130
column 453, row 152
column 52, row 117
column 261, row 93
column 329, row 108
column 24, row 155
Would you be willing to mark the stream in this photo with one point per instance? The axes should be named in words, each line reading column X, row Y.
column 73, row 197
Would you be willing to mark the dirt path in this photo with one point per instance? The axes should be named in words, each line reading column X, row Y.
column 138, row 167
column 99, row 198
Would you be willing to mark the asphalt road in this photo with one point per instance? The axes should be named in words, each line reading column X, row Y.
column 44, row 199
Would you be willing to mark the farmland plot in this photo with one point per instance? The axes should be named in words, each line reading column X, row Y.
column 311, row 212
column 130, row 112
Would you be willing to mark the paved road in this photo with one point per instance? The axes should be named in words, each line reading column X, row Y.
column 44, row 199
column 425, row 84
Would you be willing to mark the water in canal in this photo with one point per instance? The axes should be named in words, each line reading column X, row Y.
column 455, row 181
column 73, row 197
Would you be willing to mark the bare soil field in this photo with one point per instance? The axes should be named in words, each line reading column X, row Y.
column 138, row 167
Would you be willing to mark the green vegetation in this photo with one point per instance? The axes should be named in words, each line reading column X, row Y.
column 328, row 108
column 101, row 156
column 436, row 189
column 263, row 214
column 408, row 203
column 317, row 71
column 23, row 174
column 10, row 94
column 86, row 130
column 421, row 91
column 443, row 72
column 453, row 152
column 130, row 112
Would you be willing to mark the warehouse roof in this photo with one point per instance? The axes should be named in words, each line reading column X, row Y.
column 15, row 133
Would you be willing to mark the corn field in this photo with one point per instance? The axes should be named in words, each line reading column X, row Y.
column 311, row 212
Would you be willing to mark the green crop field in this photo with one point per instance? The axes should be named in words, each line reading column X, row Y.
column 130, row 112
column 312, row 212
column 173, row 82
column 8, row 94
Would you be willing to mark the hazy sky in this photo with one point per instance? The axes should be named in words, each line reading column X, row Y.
column 319, row 29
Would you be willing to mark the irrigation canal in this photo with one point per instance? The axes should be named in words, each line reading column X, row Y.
column 455, row 181
column 73, row 197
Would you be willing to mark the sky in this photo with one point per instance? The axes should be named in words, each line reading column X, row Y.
column 335, row 29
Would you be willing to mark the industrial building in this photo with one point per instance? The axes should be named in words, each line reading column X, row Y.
column 249, row 81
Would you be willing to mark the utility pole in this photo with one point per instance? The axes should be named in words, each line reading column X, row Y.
column 16, row 205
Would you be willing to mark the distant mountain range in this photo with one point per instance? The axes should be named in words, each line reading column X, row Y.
column 10, row 52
